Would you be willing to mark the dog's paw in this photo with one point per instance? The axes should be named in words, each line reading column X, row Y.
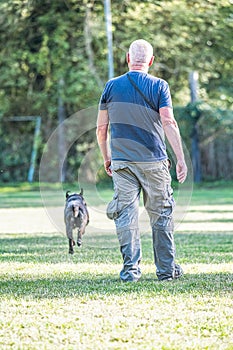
column 71, row 251
column 79, row 242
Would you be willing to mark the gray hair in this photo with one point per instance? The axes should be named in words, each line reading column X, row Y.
column 140, row 51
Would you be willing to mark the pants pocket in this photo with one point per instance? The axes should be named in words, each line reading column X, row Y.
column 169, row 202
column 112, row 210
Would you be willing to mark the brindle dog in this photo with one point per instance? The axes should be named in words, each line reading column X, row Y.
column 76, row 217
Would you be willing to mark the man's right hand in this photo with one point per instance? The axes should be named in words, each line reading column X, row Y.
column 107, row 167
column 181, row 171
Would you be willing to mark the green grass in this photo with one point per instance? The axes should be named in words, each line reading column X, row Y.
column 29, row 195
column 51, row 300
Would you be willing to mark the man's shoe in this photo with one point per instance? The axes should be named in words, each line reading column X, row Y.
column 178, row 271
column 177, row 274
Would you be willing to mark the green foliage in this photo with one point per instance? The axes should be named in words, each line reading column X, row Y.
column 187, row 36
column 15, row 150
column 46, row 41
column 53, row 47
column 212, row 122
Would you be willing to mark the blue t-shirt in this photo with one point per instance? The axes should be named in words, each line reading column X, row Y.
column 136, row 129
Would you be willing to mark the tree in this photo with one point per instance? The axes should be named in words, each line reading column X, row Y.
column 186, row 35
column 46, row 41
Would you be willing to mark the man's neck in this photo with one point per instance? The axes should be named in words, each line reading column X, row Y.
column 138, row 68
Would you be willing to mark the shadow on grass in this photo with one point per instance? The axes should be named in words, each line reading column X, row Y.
column 92, row 281
column 207, row 248
column 107, row 285
column 53, row 249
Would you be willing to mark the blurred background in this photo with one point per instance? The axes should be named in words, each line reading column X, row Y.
column 56, row 57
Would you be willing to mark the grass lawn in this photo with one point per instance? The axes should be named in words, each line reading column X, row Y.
column 51, row 300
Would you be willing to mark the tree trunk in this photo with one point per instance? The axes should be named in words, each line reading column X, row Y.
column 61, row 138
column 196, row 158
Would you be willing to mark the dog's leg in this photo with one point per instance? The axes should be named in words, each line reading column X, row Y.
column 71, row 244
column 81, row 232
column 82, row 226
column 69, row 233
column 79, row 240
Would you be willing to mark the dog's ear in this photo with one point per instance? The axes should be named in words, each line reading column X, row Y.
column 81, row 191
column 67, row 194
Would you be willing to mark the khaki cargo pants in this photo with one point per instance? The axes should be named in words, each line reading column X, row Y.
column 154, row 181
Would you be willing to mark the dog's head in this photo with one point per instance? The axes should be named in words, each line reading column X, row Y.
column 75, row 196
column 76, row 201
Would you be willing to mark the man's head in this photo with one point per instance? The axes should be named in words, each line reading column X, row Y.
column 140, row 55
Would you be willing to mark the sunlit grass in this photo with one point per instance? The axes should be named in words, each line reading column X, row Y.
column 51, row 300
column 29, row 195
column 60, row 296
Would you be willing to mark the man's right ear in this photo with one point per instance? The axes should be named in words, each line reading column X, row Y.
column 127, row 58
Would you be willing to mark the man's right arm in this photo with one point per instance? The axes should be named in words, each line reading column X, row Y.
column 102, row 138
column 173, row 135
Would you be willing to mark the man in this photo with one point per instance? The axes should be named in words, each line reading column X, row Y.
column 138, row 108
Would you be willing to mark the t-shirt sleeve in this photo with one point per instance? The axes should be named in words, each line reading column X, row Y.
column 165, row 99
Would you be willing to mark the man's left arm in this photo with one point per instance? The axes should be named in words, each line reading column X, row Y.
column 102, row 138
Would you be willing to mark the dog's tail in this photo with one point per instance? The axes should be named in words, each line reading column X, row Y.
column 75, row 210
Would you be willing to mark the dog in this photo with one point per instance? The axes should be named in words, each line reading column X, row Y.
column 76, row 217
